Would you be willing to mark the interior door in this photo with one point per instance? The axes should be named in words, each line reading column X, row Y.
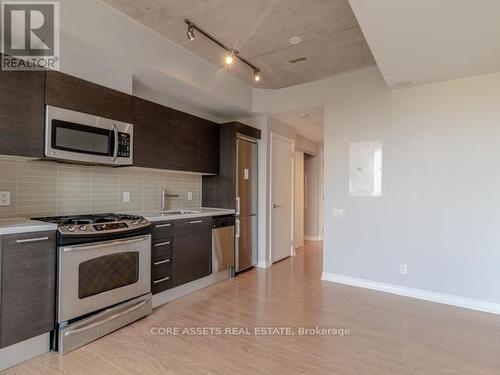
column 299, row 200
column 282, row 182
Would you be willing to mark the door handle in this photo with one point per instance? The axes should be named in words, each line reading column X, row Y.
column 162, row 244
column 103, row 245
column 196, row 222
column 238, row 205
column 33, row 240
column 104, row 321
column 161, row 262
column 161, row 280
column 276, row 206
column 237, row 235
column 115, row 151
column 163, row 225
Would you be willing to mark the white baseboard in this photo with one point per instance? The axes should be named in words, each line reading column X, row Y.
column 313, row 238
column 447, row 299
column 263, row 264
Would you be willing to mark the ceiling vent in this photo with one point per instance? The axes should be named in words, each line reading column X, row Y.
column 298, row 59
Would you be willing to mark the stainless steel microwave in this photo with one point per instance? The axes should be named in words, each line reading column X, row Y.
column 83, row 138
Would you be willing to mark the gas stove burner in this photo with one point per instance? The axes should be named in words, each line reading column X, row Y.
column 97, row 224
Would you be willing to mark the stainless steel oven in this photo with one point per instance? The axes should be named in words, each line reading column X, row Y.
column 83, row 138
column 97, row 275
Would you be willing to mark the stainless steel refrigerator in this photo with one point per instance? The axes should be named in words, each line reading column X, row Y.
column 246, row 203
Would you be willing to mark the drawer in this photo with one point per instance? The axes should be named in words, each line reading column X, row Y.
column 161, row 268
column 162, row 229
column 162, row 249
column 161, row 284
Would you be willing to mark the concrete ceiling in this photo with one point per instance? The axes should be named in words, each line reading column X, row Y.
column 332, row 41
column 417, row 42
column 309, row 122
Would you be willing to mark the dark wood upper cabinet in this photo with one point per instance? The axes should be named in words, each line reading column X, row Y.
column 69, row 92
column 169, row 139
column 151, row 134
column 28, row 286
column 22, row 113
column 195, row 143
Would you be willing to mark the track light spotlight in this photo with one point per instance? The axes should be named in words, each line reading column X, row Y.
column 230, row 56
column 190, row 33
column 257, row 75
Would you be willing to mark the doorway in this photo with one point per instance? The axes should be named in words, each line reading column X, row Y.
column 282, row 196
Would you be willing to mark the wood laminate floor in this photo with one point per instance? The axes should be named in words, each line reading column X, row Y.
column 388, row 334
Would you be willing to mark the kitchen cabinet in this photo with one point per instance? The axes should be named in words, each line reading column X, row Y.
column 27, row 286
column 181, row 252
column 73, row 93
column 161, row 256
column 195, row 143
column 220, row 190
column 169, row 139
column 22, row 113
column 192, row 251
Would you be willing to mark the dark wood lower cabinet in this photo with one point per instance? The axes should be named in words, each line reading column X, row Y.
column 27, row 287
column 192, row 257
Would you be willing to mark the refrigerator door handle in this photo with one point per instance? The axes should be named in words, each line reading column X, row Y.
column 237, row 229
column 238, row 204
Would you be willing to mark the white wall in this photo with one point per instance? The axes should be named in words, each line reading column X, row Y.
column 440, row 210
column 313, row 200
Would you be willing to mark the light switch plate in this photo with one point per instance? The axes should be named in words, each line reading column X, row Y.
column 4, row 198
column 126, row 197
column 190, row 195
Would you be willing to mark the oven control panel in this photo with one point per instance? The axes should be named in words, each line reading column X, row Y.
column 101, row 228
column 110, row 226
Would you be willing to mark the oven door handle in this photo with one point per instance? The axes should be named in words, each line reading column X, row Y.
column 115, row 151
column 102, row 245
column 104, row 321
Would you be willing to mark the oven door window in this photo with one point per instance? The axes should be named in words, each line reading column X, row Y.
column 82, row 139
column 107, row 272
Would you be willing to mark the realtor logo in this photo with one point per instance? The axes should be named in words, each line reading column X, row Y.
column 30, row 35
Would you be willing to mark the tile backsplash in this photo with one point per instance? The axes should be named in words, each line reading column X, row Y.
column 43, row 188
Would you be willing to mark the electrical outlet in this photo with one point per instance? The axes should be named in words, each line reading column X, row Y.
column 190, row 195
column 4, row 198
column 126, row 197
column 403, row 269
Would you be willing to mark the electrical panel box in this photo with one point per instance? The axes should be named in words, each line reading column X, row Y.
column 365, row 169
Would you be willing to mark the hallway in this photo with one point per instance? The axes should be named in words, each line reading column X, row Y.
column 388, row 334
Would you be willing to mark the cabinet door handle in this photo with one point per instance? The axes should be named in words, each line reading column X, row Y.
column 196, row 222
column 163, row 225
column 161, row 262
column 161, row 280
column 162, row 244
column 33, row 240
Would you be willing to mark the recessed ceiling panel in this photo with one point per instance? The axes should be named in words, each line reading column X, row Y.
column 331, row 40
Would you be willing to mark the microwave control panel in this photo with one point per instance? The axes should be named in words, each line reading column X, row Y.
column 123, row 145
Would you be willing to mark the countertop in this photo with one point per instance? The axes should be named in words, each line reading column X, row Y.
column 196, row 212
column 19, row 225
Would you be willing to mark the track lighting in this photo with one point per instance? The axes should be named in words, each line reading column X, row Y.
column 257, row 75
column 231, row 54
column 190, row 33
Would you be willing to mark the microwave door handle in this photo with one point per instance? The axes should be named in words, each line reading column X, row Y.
column 115, row 151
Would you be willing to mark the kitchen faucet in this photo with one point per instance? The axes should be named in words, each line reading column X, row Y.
column 164, row 195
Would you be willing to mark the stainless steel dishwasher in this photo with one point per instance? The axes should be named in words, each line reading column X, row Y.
column 223, row 243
